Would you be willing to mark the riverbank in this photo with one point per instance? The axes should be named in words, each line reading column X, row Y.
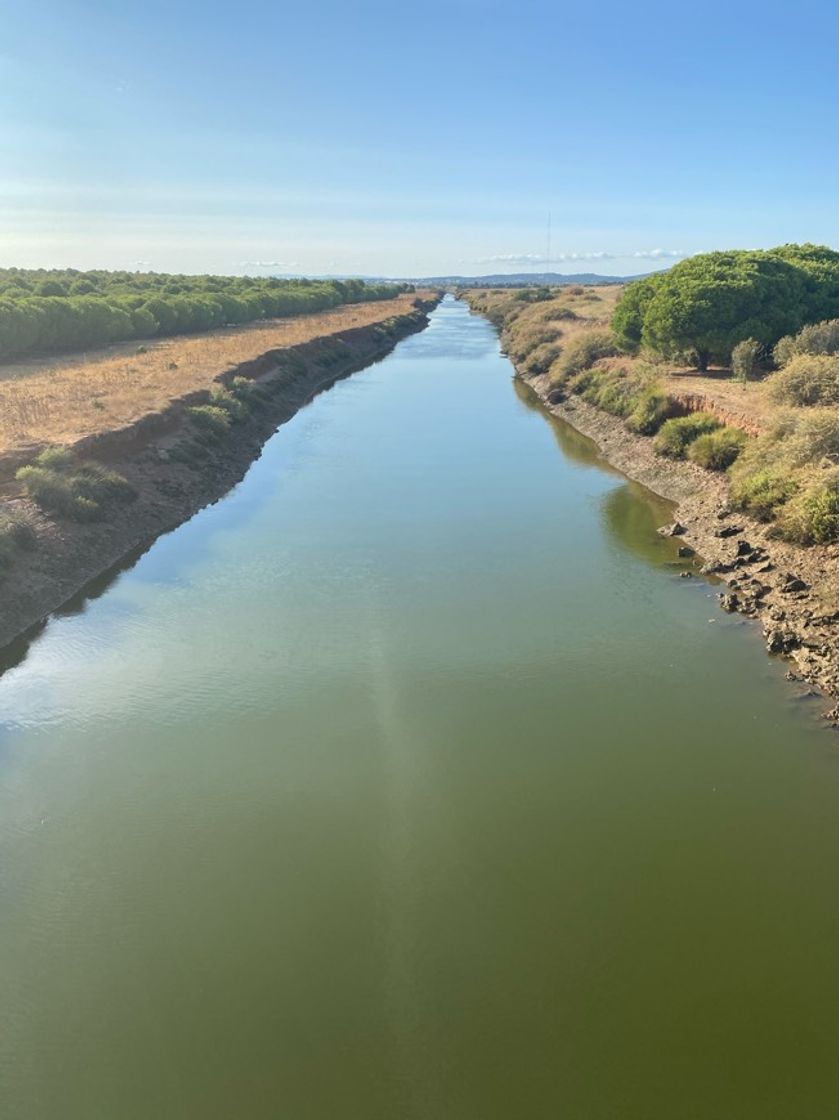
column 156, row 455
column 792, row 592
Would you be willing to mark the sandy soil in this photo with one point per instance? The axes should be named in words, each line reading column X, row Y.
column 64, row 399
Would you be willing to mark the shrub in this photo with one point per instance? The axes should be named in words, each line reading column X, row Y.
column 815, row 338
column 675, row 436
column 541, row 358
column 211, row 419
column 810, row 437
column 583, row 351
column 812, row 515
column 807, row 379
column 717, row 450
column 761, row 480
column 60, row 486
column 744, row 359
column 56, row 458
column 652, row 407
column 235, row 406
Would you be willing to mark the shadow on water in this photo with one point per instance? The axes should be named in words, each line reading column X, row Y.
column 16, row 651
column 631, row 512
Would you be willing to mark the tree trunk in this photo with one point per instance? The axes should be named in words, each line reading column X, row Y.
column 702, row 359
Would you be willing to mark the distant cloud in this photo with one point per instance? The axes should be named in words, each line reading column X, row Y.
column 540, row 258
column 285, row 265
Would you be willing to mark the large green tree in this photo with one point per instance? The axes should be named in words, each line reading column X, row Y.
column 704, row 306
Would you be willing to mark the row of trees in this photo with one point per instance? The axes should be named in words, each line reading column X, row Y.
column 42, row 311
column 705, row 305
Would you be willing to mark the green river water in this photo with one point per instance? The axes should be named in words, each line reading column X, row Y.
column 410, row 782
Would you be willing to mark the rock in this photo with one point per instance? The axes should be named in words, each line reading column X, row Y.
column 716, row 567
column 781, row 641
column 685, row 575
column 729, row 603
column 767, row 567
column 675, row 529
column 793, row 583
column 744, row 549
column 163, row 455
column 685, row 550
column 556, row 395
column 790, row 676
column 728, row 531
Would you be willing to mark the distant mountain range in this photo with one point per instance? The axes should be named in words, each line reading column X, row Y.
column 521, row 280
column 494, row 280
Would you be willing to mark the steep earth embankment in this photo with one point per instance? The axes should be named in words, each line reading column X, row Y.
column 68, row 555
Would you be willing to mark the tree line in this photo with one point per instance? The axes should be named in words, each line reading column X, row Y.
column 704, row 306
column 61, row 310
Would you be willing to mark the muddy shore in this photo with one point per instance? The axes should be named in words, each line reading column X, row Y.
column 69, row 555
column 791, row 592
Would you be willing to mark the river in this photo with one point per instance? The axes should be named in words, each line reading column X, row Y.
column 410, row 782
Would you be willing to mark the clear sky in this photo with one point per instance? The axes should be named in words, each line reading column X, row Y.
column 413, row 138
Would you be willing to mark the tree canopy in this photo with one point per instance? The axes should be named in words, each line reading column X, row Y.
column 705, row 305
column 65, row 309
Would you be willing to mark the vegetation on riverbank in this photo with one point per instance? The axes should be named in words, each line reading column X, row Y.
column 615, row 353
column 64, row 310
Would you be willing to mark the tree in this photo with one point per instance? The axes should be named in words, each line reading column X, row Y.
column 744, row 359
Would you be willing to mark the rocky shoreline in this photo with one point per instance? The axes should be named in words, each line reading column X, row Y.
column 790, row 591
column 71, row 556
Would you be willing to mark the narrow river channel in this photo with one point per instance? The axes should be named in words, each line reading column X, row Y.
column 410, row 782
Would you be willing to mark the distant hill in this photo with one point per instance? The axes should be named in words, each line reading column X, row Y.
column 521, row 280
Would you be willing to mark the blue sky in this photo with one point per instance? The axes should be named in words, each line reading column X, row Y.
column 410, row 139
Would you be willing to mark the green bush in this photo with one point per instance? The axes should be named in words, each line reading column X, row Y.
column 815, row 338
column 812, row 515
column 745, row 358
column 675, row 436
column 760, row 488
column 717, row 450
column 77, row 490
column 56, row 458
column 651, row 409
column 807, row 379
column 235, row 406
column 582, row 352
column 211, row 419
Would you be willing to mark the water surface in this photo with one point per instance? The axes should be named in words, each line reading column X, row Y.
column 410, row 782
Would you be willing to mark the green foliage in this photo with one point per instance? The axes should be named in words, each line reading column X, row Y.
column 807, row 379
column 211, row 419
column 745, row 358
column 42, row 311
column 705, row 305
column 582, row 352
column 815, row 338
column 652, row 407
column 762, row 491
column 717, row 450
column 61, row 485
column 676, row 435
column 812, row 515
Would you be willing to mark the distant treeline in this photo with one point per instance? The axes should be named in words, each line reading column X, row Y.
column 62, row 310
column 704, row 306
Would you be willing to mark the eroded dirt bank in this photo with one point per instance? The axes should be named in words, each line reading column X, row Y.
column 791, row 592
column 69, row 555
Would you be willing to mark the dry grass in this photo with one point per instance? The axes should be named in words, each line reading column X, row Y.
column 61, row 400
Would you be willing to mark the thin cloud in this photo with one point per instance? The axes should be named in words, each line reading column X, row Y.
column 603, row 255
column 268, row 264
